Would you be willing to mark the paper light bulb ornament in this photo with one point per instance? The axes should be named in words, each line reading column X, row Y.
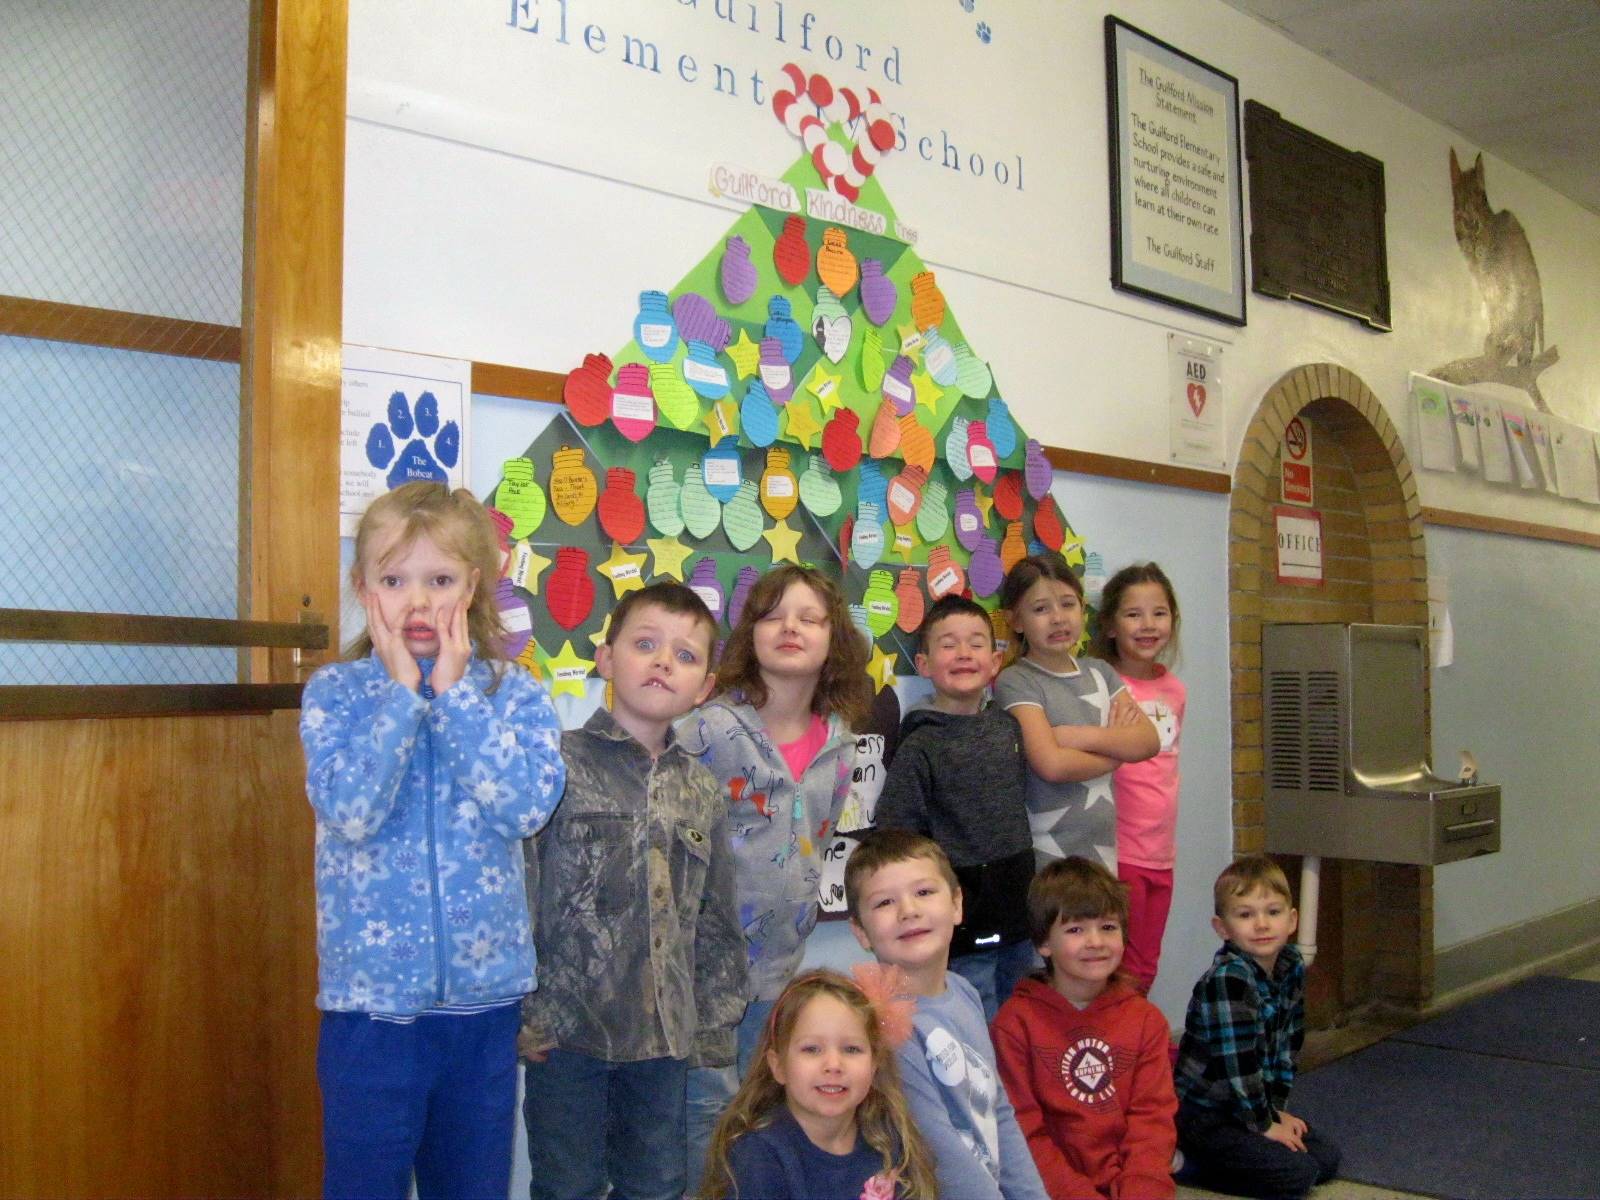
column 882, row 605
column 968, row 520
column 847, row 530
column 572, row 486
column 569, row 591
column 782, row 326
column 621, row 510
column 703, row 582
column 654, row 330
column 973, row 377
column 819, row 490
column 830, row 325
column 777, row 376
column 836, row 266
column 741, row 517
column 1047, row 526
column 587, row 390
column 1000, row 623
column 757, row 415
column 939, row 359
column 790, row 254
column 985, row 570
column 701, row 512
column 520, row 497
column 514, row 618
column 944, row 573
column 723, row 470
column 927, row 301
column 897, row 387
column 933, row 518
column 698, row 322
column 858, row 618
column 980, row 452
column 841, row 440
column 870, row 486
column 633, row 404
column 1036, row 470
column 872, row 360
column 704, row 373
column 916, row 443
column 737, row 272
column 878, row 293
column 1008, row 495
column 741, row 593
column 502, row 529
column 780, row 490
column 661, row 500
column 866, row 539
column 955, row 449
column 908, row 591
column 885, row 438
column 905, row 495
column 674, row 397
column 1012, row 548
column 1001, row 428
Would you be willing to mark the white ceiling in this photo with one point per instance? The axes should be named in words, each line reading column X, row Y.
column 1519, row 78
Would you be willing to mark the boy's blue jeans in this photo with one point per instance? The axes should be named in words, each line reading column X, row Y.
column 996, row 971
column 437, row 1096
column 710, row 1089
column 594, row 1124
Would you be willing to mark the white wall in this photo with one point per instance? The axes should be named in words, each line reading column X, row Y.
column 508, row 196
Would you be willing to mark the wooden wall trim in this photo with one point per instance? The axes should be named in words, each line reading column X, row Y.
column 115, row 330
column 1523, row 529
column 517, row 383
column 50, row 702
column 138, row 629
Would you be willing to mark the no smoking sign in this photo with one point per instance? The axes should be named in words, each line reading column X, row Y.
column 1297, row 463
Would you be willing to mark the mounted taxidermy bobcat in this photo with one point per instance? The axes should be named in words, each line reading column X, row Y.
column 1501, row 262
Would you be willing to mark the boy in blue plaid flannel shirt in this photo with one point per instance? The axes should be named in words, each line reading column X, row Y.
column 1243, row 1030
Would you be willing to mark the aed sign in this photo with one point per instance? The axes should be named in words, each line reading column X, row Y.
column 1299, row 546
column 1297, row 463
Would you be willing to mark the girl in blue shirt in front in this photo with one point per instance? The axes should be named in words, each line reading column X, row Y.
column 428, row 761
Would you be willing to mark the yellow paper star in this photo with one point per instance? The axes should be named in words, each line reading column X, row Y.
column 905, row 541
column 567, row 671
column 785, row 542
column 599, row 639
column 929, row 393
column 799, row 423
column 527, row 564
column 824, row 387
column 911, row 339
column 669, row 555
column 746, row 355
column 983, row 500
column 626, row 571
column 880, row 668
column 722, row 420
column 1072, row 551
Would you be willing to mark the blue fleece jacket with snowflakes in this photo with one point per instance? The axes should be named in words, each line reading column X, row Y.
column 422, row 802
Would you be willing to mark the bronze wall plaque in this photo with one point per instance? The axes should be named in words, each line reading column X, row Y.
column 1316, row 216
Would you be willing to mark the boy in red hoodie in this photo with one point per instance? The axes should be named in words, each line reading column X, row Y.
column 1083, row 1056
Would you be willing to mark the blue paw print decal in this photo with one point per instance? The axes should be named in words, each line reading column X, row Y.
column 417, row 459
column 968, row 5
column 983, row 32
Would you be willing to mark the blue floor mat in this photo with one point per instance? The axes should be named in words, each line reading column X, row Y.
column 1457, row 1123
column 1543, row 1019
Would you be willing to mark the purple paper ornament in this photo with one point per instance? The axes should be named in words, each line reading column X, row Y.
column 969, row 521
column 703, row 582
column 698, row 321
column 878, row 293
column 514, row 616
column 741, row 593
column 1036, row 472
column 737, row 271
column 984, row 572
column 897, row 389
column 777, row 376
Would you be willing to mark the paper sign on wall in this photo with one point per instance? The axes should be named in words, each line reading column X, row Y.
column 1297, row 462
column 1435, row 434
column 1299, row 545
column 403, row 418
column 1195, row 401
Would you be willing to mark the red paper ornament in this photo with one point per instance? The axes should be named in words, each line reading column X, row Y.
column 569, row 591
column 944, row 573
column 905, row 494
column 790, row 254
column 847, row 529
column 909, row 593
column 1008, row 495
column 841, row 441
column 621, row 510
column 502, row 526
column 1047, row 525
column 588, row 390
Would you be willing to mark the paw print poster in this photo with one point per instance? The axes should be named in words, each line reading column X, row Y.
column 404, row 418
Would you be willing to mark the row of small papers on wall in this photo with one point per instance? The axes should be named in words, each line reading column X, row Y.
column 1460, row 429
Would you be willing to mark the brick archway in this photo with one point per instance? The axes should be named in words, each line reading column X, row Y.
column 1376, row 936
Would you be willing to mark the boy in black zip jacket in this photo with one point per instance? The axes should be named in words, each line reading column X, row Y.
column 959, row 778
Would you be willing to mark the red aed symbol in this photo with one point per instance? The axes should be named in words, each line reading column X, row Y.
column 1294, row 439
column 1197, row 398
